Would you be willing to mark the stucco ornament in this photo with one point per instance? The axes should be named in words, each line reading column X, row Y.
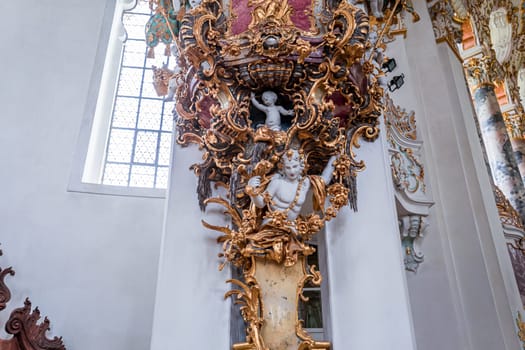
column 501, row 34
column 521, row 85
column 408, row 176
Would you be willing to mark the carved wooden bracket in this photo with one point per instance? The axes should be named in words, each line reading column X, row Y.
column 5, row 294
column 23, row 324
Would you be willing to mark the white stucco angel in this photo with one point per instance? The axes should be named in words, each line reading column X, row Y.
column 286, row 192
column 272, row 111
column 283, row 233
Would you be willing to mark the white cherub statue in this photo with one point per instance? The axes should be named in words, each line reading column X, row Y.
column 287, row 190
column 273, row 112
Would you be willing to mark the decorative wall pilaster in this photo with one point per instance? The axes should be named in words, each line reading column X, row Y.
column 479, row 72
column 408, row 175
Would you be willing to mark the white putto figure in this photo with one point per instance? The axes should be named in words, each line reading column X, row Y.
column 273, row 112
column 287, row 189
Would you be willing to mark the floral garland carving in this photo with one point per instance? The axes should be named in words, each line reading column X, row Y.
column 507, row 213
column 399, row 118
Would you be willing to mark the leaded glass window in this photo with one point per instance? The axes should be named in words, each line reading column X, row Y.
column 139, row 141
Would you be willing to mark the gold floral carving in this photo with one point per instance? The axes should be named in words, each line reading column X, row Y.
column 514, row 124
column 447, row 22
column 270, row 10
column 481, row 71
column 521, row 329
column 480, row 12
column 407, row 171
column 507, row 214
column 399, row 118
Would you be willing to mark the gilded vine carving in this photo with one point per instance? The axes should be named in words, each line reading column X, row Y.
column 408, row 177
column 399, row 118
column 507, row 214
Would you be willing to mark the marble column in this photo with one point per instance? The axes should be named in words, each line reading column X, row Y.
column 503, row 165
column 513, row 120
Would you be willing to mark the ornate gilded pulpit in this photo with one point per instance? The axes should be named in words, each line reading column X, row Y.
column 277, row 95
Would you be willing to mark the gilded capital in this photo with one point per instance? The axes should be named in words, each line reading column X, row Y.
column 445, row 23
column 480, row 71
column 460, row 10
column 514, row 123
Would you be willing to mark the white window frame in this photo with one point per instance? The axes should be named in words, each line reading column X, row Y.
column 89, row 159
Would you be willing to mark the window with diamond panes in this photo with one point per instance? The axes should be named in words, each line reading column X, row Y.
column 139, row 141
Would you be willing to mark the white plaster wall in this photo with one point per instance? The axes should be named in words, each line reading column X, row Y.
column 369, row 302
column 459, row 298
column 190, row 310
column 432, row 298
column 88, row 261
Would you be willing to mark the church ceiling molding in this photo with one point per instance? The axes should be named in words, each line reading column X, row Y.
column 23, row 323
column 500, row 28
column 278, row 95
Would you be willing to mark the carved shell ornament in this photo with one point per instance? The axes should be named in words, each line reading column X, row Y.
column 501, row 34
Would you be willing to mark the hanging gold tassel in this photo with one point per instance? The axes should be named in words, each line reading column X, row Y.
column 167, row 51
column 151, row 52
